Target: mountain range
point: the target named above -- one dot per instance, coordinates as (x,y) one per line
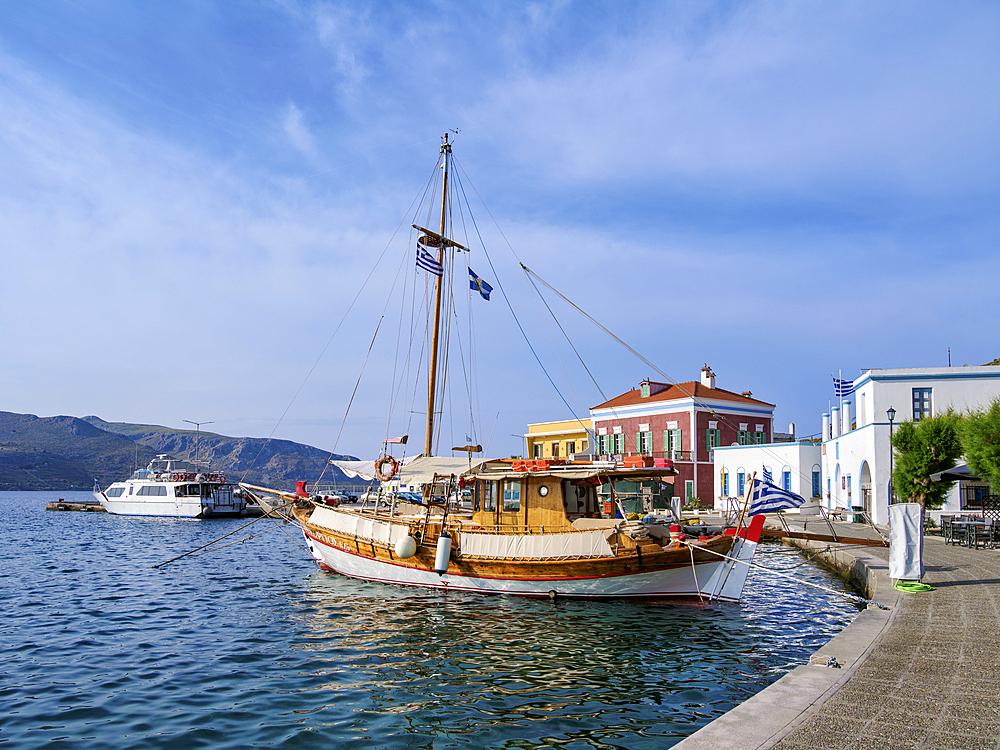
(71,453)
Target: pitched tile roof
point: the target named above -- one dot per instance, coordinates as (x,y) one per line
(677,392)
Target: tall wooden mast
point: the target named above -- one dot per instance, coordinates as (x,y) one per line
(435,332)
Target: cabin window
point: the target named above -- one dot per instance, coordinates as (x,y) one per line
(488,491)
(578,499)
(115,492)
(153,489)
(512,496)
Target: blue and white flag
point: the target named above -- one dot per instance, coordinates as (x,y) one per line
(767,498)
(767,474)
(843,387)
(427,259)
(478,285)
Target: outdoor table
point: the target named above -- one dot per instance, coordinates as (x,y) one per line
(965,526)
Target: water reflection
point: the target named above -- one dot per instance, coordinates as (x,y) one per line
(461,667)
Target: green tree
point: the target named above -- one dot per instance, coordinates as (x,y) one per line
(924,448)
(980,435)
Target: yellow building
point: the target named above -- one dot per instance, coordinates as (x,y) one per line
(558,439)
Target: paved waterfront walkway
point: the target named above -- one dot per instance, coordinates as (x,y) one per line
(925,674)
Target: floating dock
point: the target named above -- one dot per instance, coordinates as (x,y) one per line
(94,507)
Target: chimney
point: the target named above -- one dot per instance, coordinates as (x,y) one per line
(835,422)
(746,394)
(826,426)
(791,430)
(848,420)
(707,377)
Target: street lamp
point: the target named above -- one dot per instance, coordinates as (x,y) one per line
(891,413)
(197,440)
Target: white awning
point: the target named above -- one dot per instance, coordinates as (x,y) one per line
(415,470)
(423,468)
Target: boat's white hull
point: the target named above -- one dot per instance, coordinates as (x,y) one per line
(172,507)
(720,580)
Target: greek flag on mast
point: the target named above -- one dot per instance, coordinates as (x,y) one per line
(843,387)
(478,285)
(427,259)
(767,498)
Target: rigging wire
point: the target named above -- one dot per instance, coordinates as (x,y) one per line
(510,307)
(347,312)
(349,403)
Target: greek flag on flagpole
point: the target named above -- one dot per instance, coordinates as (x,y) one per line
(477,284)
(767,498)
(843,387)
(427,261)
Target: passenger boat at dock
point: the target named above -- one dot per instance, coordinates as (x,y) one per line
(170,487)
(532,528)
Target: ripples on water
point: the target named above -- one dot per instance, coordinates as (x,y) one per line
(252,646)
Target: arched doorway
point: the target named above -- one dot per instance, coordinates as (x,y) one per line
(866,488)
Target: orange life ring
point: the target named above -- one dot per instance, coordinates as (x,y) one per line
(386,474)
(175,477)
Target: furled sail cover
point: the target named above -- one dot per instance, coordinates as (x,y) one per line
(536,546)
(356,525)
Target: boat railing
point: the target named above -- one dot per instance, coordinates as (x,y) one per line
(521,530)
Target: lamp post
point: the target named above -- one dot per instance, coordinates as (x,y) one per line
(197,440)
(891,413)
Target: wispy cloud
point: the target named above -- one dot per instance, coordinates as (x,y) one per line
(297,131)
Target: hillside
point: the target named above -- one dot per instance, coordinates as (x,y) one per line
(63,453)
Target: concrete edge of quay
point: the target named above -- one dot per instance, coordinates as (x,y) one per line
(762,720)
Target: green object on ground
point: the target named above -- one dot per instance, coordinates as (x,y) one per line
(913,586)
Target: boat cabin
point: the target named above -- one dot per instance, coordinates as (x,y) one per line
(532,500)
(545,495)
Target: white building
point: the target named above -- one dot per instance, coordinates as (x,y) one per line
(796,467)
(856,455)
(852,464)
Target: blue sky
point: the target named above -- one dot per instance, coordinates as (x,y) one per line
(193,192)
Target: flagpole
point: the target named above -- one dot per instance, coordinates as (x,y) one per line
(746,502)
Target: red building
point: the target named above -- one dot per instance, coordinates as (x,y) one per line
(683,422)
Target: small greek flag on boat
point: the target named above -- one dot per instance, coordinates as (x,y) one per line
(767,498)
(427,259)
(843,387)
(477,284)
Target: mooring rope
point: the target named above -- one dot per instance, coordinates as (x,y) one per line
(751,563)
(209,544)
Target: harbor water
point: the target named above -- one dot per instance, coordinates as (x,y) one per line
(252,646)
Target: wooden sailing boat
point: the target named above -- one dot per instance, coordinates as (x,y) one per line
(535,528)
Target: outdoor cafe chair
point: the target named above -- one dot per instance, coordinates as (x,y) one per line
(981,534)
(947,529)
